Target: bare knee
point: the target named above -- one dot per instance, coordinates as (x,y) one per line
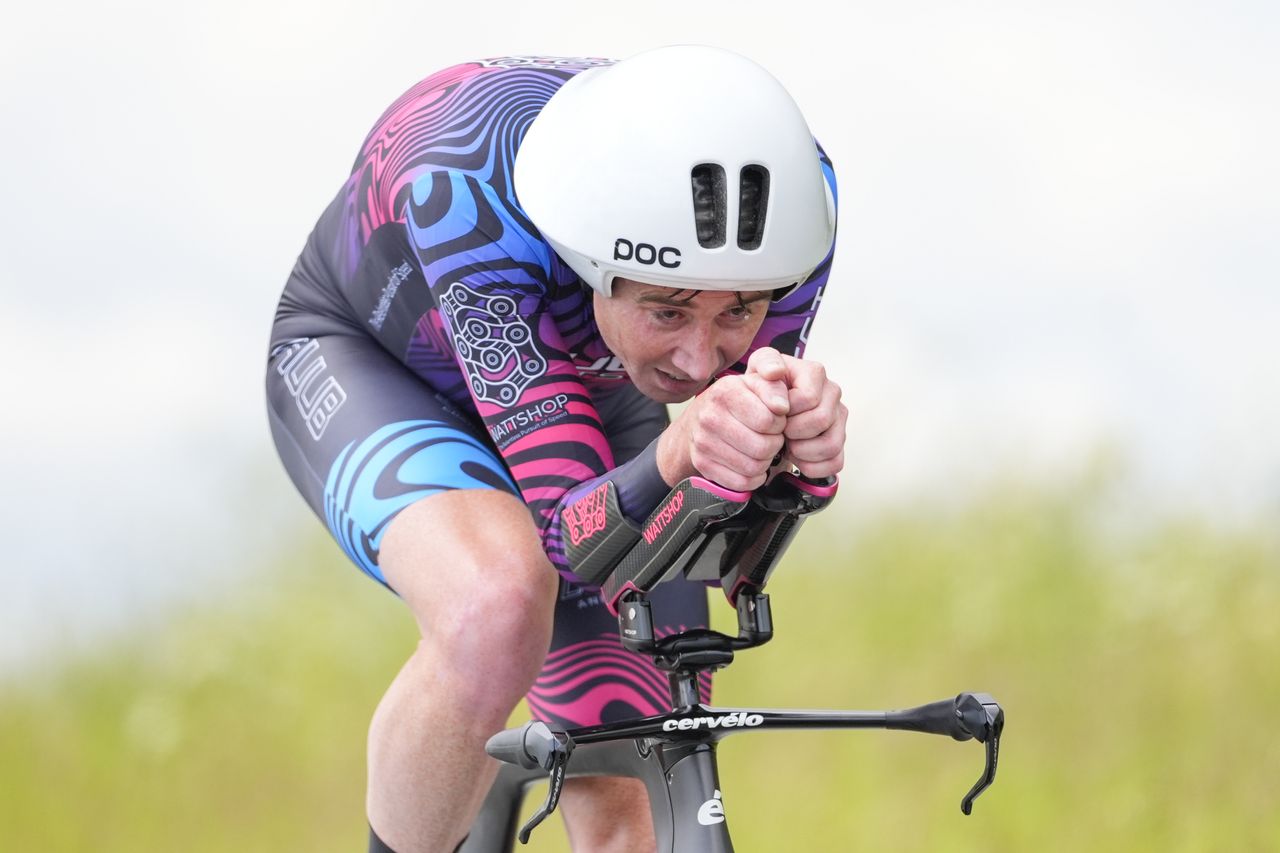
(470,566)
(500,627)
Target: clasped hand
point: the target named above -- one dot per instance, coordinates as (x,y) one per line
(733,431)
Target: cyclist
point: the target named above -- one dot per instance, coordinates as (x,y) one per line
(531,257)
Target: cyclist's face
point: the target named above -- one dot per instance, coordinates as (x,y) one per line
(674,342)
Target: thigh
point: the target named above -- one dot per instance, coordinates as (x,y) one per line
(363,438)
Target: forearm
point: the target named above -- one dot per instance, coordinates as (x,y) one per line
(614,504)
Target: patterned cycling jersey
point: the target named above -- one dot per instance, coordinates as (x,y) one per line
(426,249)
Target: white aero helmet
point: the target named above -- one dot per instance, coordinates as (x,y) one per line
(685,166)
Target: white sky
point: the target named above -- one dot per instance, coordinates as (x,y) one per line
(1058,229)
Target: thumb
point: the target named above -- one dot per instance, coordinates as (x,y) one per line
(773,392)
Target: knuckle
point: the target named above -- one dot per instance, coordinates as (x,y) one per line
(709,422)
(764,446)
(800,452)
(715,396)
(761,421)
(752,447)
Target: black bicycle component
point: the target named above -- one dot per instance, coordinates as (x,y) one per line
(969,715)
(983,717)
(532,745)
(755,619)
(556,784)
(712,535)
(757,537)
(596,534)
(635,623)
(671,538)
(535,745)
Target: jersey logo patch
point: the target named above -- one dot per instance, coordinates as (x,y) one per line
(494,343)
(586,516)
(316,393)
(605,367)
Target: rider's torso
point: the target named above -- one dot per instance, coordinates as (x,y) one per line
(426,249)
(444,152)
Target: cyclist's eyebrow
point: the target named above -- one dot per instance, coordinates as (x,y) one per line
(664,299)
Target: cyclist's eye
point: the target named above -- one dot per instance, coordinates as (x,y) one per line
(739,312)
(667,315)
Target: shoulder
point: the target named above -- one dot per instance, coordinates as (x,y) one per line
(469,118)
(451,206)
(466,98)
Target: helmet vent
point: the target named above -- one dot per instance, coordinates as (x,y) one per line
(753,202)
(709,204)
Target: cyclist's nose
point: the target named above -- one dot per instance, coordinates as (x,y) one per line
(698,355)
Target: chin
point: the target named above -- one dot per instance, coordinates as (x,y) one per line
(661,395)
(658,394)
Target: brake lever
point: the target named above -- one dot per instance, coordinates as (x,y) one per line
(533,745)
(982,718)
(559,761)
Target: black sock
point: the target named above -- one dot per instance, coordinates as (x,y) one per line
(376,844)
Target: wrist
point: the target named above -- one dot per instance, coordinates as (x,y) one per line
(674,464)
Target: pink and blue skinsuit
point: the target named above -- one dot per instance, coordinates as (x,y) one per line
(429,339)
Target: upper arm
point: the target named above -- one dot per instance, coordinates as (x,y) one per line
(490,275)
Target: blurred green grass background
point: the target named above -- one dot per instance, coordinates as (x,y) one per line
(1138,668)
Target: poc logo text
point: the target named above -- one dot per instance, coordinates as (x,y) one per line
(645,253)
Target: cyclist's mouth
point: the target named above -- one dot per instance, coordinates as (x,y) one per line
(673,383)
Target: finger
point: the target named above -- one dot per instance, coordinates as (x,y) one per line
(806,382)
(822,455)
(730,467)
(814,450)
(737,397)
(811,424)
(767,362)
(731,479)
(773,393)
(817,470)
(815,421)
(733,443)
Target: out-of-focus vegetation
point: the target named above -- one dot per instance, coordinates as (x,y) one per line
(1140,673)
